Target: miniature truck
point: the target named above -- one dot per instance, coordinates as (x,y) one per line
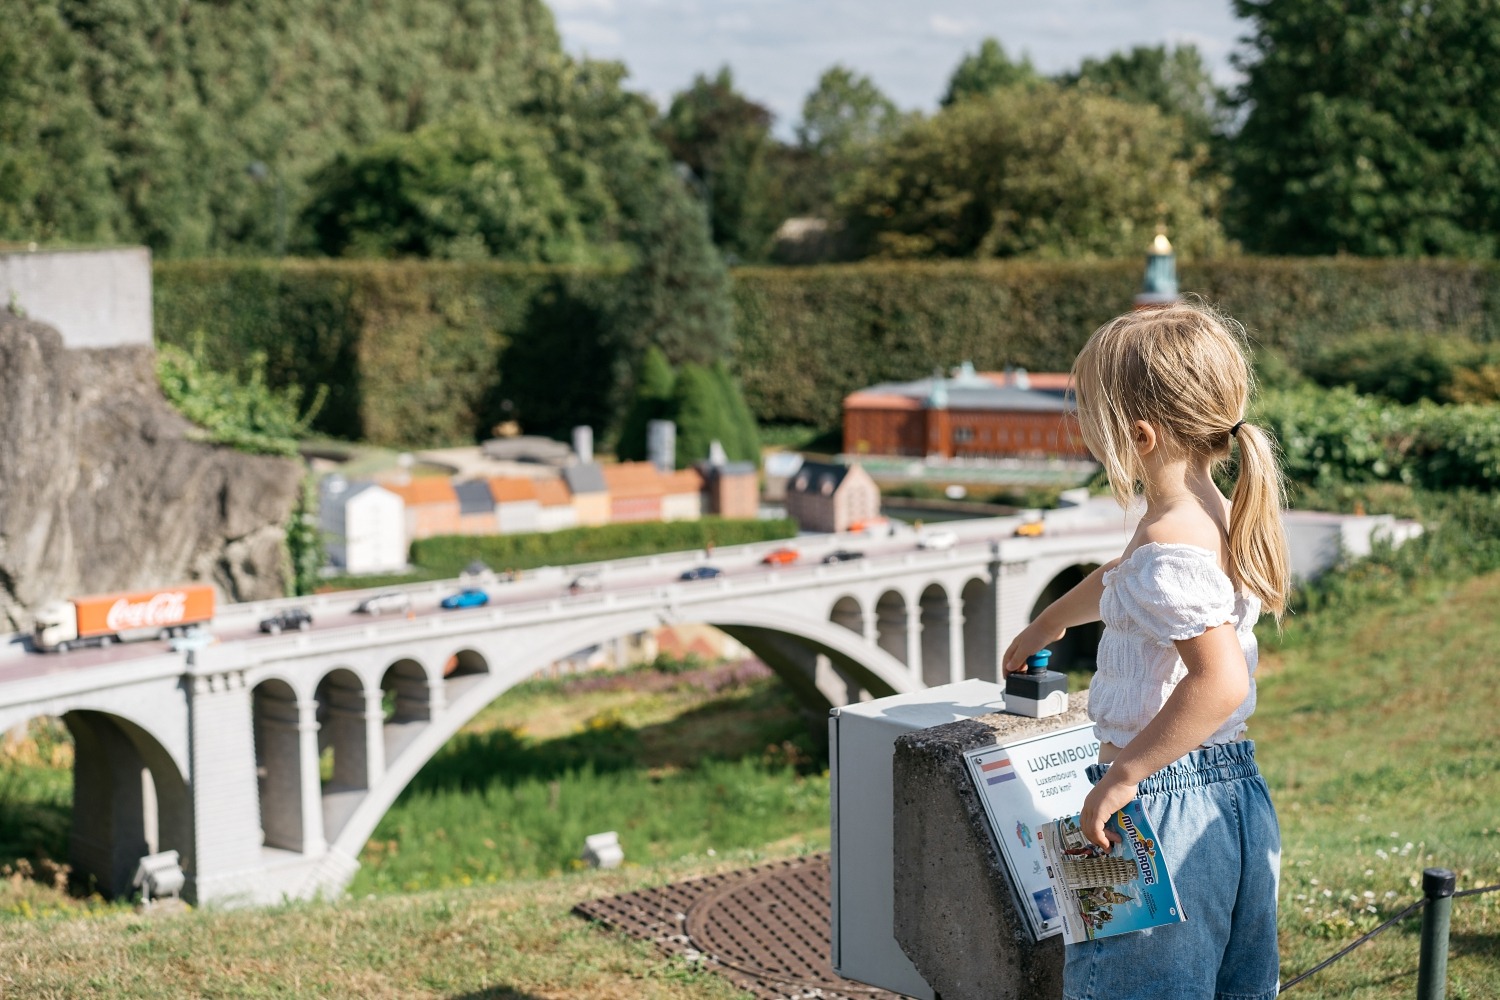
(101,619)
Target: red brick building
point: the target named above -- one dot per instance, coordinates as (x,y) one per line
(970,415)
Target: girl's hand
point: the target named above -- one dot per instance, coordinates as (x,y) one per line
(1103,801)
(1032,638)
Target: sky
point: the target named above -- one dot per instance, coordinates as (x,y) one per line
(778,48)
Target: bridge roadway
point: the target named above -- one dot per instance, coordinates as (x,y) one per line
(219,753)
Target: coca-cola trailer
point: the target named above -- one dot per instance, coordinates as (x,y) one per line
(100,619)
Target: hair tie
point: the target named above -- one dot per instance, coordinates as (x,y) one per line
(1235,430)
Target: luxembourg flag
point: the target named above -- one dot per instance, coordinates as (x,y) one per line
(997,771)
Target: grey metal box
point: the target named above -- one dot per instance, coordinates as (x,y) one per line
(861,742)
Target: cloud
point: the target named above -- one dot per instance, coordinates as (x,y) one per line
(950,27)
(589,34)
(565,7)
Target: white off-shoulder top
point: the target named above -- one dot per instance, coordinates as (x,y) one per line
(1160,593)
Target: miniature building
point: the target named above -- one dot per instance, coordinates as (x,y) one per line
(732,489)
(969,415)
(589,491)
(364,525)
(555,509)
(682,495)
(1160,285)
(635,491)
(476,508)
(779,466)
(431,506)
(1087,873)
(826,497)
(517,508)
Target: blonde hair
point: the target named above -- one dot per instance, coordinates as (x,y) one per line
(1183,370)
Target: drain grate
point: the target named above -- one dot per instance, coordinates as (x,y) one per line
(765,928)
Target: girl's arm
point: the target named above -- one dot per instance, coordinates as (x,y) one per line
(1077,607)
(1217,683)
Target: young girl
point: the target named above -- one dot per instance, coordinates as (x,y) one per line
(1161,399)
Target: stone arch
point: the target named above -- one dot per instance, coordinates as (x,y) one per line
(462,671)
(981,658)
(803,641)
(129,799)
(938,647)
(848,613)
(1079,648)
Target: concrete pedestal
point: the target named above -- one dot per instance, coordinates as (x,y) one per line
(957,915)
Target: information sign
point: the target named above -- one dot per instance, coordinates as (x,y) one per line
(1023,785)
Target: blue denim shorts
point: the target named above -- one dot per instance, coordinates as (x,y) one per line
(1219,837)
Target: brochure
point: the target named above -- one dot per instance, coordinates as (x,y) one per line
(1101,893)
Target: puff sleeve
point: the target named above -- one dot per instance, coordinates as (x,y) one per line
(1176,593)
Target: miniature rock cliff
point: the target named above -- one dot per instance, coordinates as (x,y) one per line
(101,487)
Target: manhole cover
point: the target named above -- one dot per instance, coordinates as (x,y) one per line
(766,928)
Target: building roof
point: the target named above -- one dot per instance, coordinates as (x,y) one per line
(424,490)
(632,480)
(553,493)
(1017,391)
(585,477)
(512,489)
(818,478)
(682,481)
(474,497)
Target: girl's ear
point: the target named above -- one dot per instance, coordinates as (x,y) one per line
(1143,436)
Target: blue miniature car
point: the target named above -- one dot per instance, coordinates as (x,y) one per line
(466,599)
(700,573)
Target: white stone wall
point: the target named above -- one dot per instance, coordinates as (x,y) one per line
(95,298)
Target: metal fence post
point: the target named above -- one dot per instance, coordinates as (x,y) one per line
(1432,970)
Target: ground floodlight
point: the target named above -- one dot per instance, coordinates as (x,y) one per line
(159,875)
(602,850)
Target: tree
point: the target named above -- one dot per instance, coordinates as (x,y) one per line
(705,406)
(1035,170)
(724,137)
(654,386)
(1175,80)
(1372,132)
(986,70)
(464,186)
(845,114)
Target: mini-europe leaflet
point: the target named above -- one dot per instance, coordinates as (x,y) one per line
(1101,893)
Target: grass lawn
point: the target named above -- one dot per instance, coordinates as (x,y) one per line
(1376,730)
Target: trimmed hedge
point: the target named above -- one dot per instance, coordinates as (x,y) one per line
(427,352)
(448,555)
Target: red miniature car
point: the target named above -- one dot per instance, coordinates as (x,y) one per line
(781,557)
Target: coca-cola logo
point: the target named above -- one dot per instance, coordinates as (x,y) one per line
(166,608)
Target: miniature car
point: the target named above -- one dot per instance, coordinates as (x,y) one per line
(781,557)
(287,618)
(394,602)
(937,540)
(701,573)
(869,526)
(1031,529)
(842,555)
(466,599)
(585,583)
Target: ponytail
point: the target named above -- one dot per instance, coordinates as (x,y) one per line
(1257,539)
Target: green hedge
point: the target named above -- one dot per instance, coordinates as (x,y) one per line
(448,555)
(1330,437)
(419,353)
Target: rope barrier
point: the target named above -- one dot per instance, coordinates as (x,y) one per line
(1363,938)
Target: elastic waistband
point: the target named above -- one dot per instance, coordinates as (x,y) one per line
(1223,762)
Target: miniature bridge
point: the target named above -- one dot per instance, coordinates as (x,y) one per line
(216,753)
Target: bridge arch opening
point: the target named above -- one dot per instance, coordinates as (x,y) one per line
(847,612)
(281,722)
(462,671)
(981,659)
(1079,648)
(894,626)
(939,615)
